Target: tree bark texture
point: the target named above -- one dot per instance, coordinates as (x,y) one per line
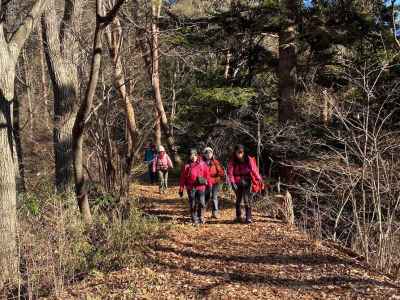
(9,52)
(150,54)
(86,105)
(114,39)
(155,81)
(20,167)
(62,49)
(8,218)
(43,73)
(287,62)
(28,89)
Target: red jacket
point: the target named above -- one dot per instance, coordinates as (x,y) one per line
(237,170)
(216,171)
(189,175)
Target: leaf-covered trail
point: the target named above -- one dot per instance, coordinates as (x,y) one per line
(222,260)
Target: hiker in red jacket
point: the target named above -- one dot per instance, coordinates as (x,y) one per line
(195,178)
(244,178)
(217,174)
(161,164)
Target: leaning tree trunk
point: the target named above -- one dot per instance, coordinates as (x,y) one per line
(86,106)
(155,81)
(151,58)
(114,38)
(157,129)
(61,49)
(287,62)
(9,53)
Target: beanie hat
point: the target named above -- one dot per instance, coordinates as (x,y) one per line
(161,149)
(208,149)
(193,151)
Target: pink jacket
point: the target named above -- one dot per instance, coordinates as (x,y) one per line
(162,163)
(238,170)
(189,175)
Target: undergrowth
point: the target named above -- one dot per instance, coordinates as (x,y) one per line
(57,248)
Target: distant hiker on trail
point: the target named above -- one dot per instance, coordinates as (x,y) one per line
(216,178)
(244,178)
(161,164)
(149,154)
(195,178)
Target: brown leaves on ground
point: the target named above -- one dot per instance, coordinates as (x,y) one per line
(222,260)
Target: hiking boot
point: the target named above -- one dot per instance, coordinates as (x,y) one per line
(196,221)
(215,215)
(193,218)
(238,215)
(238,220)
(202,212)
(249,218)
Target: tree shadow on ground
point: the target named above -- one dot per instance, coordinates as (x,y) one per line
(268,259)
(227,277)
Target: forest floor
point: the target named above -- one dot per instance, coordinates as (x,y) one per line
(221,260)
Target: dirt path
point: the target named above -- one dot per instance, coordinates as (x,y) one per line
(221,260)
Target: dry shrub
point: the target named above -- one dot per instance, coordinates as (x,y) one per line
(56,248)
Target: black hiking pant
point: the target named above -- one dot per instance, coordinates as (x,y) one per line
(243,194)
(197,205)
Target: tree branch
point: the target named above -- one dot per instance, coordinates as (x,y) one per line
(394,23)
(109,17)
(70,21)
(19,37)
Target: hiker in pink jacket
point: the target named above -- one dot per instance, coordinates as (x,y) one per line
(195,178)
(161,164)
(243,174)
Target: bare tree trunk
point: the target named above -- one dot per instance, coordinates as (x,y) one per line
(287,62)
(9,53)
(45,92)
(114,38)
(157,129)
(86,106)
(173,97)
(28,88)
(327,108)
(8,218)
(155,81)
(61,49)
(150,55)
(227,64)
(80,122)
(20,167)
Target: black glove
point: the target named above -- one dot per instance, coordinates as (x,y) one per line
(234,186)
(181,194)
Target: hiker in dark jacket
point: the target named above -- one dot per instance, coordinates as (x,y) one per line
(149,154)
(195,178)
(217,174)
(243,174)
